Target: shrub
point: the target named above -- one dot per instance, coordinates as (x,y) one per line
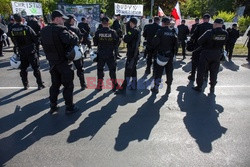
(226,16)
(243,23)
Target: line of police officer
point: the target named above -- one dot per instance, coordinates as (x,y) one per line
(58,40)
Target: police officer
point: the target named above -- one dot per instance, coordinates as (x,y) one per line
(33,23)
(132,38)
(183,32)
(165,41)
(1,42)
(199,30)
(85,30)
(57,41)
(212,42)
(78,63)
(117,27)
(233,35)
(149,34)
(106,39)
(197,20)
(248,45)
(26,39)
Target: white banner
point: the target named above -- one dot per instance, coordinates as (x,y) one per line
(27,8)
(128,9)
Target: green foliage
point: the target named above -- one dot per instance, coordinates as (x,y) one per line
(226,16)
(243,23)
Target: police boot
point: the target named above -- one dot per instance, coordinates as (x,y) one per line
(83,84)
(99,85)
(53,108)
(122,89)
(71,109)
(155,89)
(191,77)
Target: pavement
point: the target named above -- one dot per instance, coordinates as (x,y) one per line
(184,128)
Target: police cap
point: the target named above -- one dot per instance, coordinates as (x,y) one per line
(71,16)
(17,17)
(58,13)
(219,21)
(165,20)
(117,15)
(206,16)
(133,20)
(105,20)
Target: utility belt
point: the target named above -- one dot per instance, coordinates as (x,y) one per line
(27,49)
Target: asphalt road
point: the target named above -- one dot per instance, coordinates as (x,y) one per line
(184,128)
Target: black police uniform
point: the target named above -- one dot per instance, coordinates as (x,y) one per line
(193,28)
(106,39)
(131,38)
(212,43)
(85,30)
(1,42)
(233,35)
(37,28)
(200,29)
(183,32)
(149,34)
(166,44)
(248,45)
(78,63)
(26,39)
(57,41)
(117,27)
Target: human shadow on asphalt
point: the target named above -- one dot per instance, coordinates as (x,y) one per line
(178,64)
(46,125)
(8,98)
(90,126)
(187,68)
(231,66)
(141,124)
(246,65)
(201,118)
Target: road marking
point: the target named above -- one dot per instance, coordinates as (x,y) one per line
(5,88)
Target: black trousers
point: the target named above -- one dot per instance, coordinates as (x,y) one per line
(87,42)
(32,60)
(209,59)
(62,74)
(1,48)
(183,46)
(229,49)
(150,57)
(130,73)
(248,46)
(111,62)
(159,71)
(195,60)
(80,70)
(117,47)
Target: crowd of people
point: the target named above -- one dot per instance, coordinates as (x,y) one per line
(161,39)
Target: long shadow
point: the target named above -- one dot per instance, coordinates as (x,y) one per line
(46,125)
(141,124)
(21,114)
(178,64)
(7,99)
(201,118)
(187,67)
(96,120)
(246,65)
(231,66)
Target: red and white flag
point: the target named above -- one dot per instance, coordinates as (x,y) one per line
(160,12)
(176,12)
